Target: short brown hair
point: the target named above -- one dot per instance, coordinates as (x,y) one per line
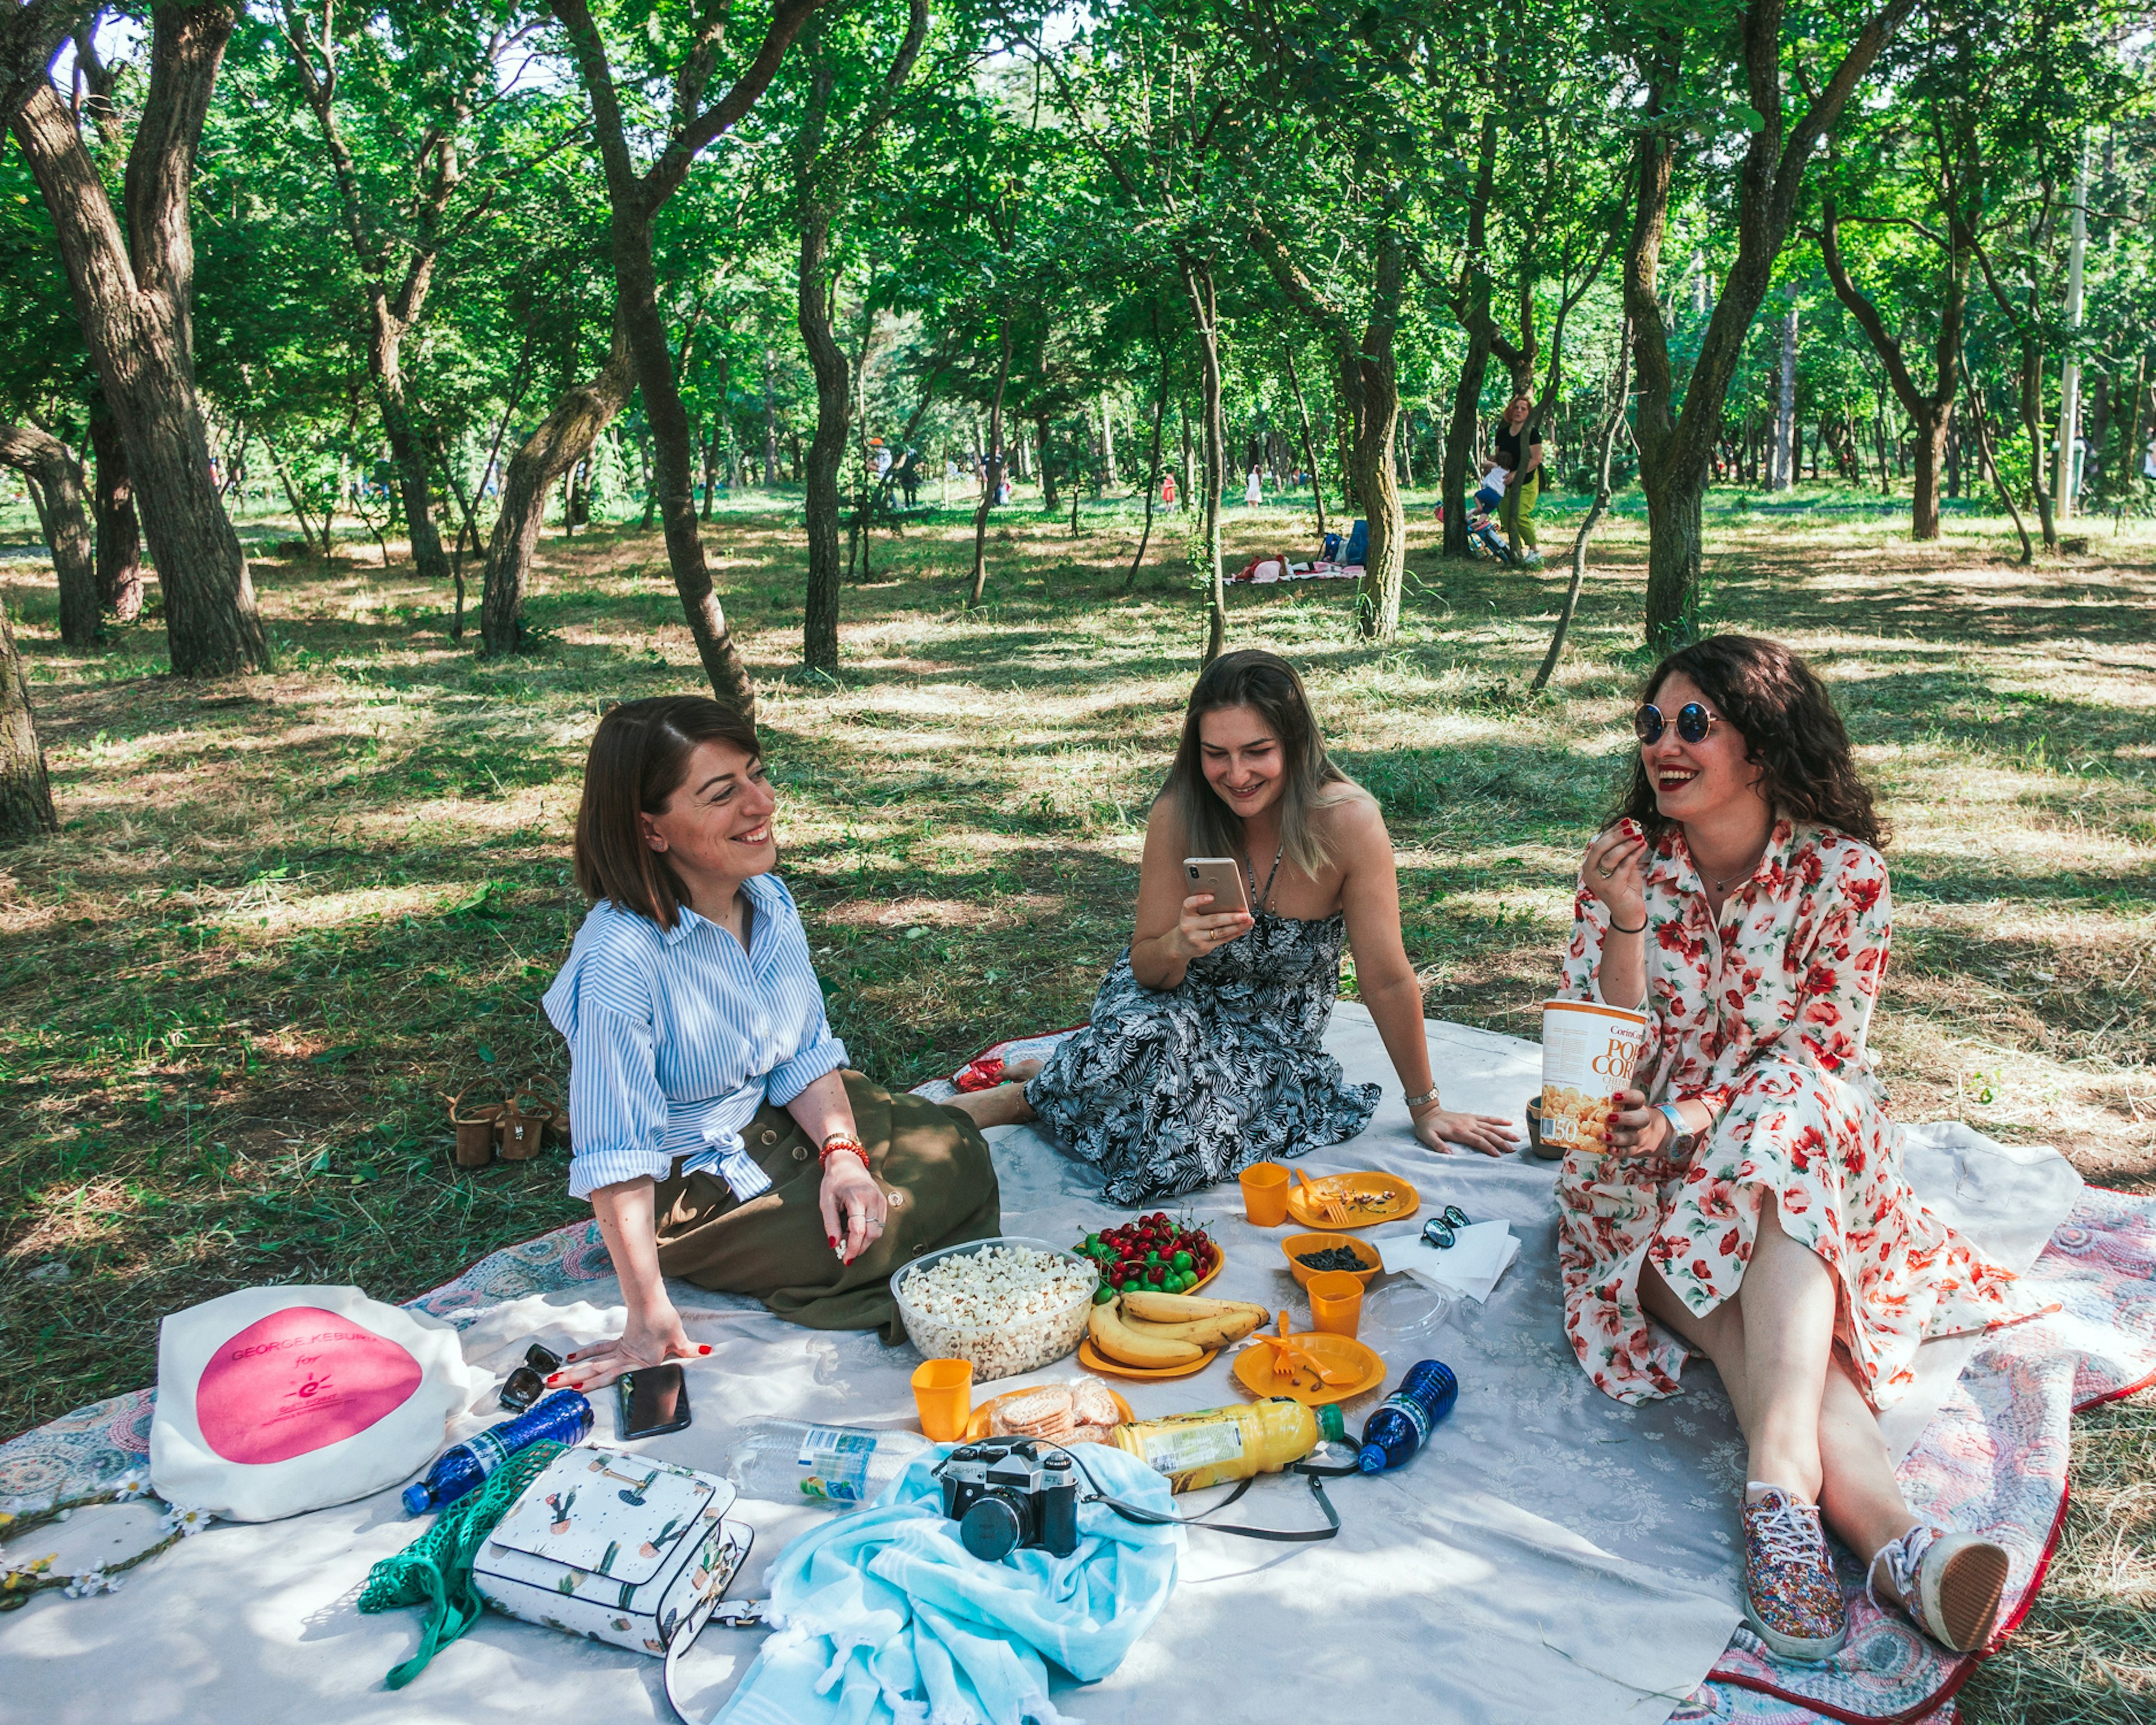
(640,757)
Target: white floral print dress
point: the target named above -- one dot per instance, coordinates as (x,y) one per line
(1764,1017)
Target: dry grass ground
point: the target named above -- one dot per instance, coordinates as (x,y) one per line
(288,912)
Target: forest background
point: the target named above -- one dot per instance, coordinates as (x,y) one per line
(384,388)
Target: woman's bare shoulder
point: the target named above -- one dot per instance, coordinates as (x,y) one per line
(1350,818)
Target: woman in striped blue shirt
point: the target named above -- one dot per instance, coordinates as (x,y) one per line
(717,1132)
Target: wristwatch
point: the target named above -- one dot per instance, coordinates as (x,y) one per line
(1681,1142)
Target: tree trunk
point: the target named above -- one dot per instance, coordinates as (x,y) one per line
(632,211)
(1309,449)
(1198,287)
(1932,424)
(1676,442)
(119,534)
(770,422)
(1108,445)
(564,438)
(992,463)
(408,449)
(1152,473)
(134,298)
(1471,306)
(26,792)
(2032,421)
(1613,421)
(1049,496)
(826,449)
(1785,406)
(65,520)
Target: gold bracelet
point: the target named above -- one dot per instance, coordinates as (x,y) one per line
(1415,1102)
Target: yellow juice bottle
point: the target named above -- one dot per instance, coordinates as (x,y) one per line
(1215,1445)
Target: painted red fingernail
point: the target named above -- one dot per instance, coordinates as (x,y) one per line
(556,1378)
(704,1348)
(833,1239)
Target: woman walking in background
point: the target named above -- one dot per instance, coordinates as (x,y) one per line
(1523,462)
(1752,1205)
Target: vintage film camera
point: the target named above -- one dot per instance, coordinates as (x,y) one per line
(1005,1496)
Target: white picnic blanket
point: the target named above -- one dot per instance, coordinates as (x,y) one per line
(1553,1555)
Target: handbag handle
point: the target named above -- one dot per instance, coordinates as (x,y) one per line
(687,1629)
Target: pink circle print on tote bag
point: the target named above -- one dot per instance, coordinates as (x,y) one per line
(297,1381)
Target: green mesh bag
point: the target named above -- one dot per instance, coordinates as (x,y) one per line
(435,1570)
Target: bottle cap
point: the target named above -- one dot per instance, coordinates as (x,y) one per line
(1330,1426)
(1371,1459)
(417,1499)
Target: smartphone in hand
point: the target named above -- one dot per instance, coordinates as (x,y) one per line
(1220,875)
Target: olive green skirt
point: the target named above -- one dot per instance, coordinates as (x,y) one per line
(931,1161)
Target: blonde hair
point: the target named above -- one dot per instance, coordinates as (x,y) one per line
(1267,684)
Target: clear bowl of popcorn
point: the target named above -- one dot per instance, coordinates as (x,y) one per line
(1008,1305)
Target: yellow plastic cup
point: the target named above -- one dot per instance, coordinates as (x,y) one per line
(1336,1301)
(943,1396)
(1265,1194)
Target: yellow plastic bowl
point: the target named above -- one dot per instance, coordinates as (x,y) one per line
(1297,1244)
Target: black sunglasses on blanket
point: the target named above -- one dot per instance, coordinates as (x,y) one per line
(1693,722)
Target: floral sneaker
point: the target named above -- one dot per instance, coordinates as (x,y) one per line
(1790,1595)
(1948,1583)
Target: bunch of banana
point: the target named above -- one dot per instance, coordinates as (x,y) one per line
(1157,1331)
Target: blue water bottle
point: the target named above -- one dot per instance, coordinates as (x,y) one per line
(564,1417)
(1403,1424)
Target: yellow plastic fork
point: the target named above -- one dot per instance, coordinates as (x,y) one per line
(1324,1204)
(1289,1355)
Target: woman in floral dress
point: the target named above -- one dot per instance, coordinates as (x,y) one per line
(1753,1203)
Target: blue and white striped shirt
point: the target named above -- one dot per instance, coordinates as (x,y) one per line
(677,1037)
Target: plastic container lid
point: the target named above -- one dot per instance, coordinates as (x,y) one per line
(1331,1427)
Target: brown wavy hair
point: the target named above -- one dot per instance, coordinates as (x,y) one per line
(1267,684)
(1790,729)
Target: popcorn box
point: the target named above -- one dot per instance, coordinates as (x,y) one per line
(1588,1052)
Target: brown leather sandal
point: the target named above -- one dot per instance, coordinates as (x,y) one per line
(524,1130)
(476,1128)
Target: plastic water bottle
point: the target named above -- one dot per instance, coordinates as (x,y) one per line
(564,1417)
(1403,1424)
(830,1466)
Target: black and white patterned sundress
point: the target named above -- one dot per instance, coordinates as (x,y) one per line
(1169,1090)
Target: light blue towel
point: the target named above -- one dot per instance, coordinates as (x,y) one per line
(887,1617)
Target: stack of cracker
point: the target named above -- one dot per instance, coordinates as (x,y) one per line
(1079,1412)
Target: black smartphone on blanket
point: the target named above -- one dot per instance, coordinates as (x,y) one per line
(650,1400)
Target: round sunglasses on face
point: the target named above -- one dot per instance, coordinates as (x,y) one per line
(1693,722)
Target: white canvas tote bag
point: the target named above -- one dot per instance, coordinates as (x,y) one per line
(274,1401)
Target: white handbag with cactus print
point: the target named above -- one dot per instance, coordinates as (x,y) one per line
(619,1547)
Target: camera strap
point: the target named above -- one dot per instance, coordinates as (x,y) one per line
(1316,1472)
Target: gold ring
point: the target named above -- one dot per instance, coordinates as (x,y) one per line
(1604,870)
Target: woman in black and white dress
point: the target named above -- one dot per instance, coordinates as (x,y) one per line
(1206,1049)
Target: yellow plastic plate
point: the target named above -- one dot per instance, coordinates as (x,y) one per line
(1364,1195)
(1094,1360)
(1254,1369)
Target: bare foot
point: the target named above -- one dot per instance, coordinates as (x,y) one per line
(1006,1104)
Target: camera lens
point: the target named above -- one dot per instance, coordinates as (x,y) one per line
(992,1528)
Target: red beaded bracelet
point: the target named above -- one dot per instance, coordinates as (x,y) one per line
(839,1144)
